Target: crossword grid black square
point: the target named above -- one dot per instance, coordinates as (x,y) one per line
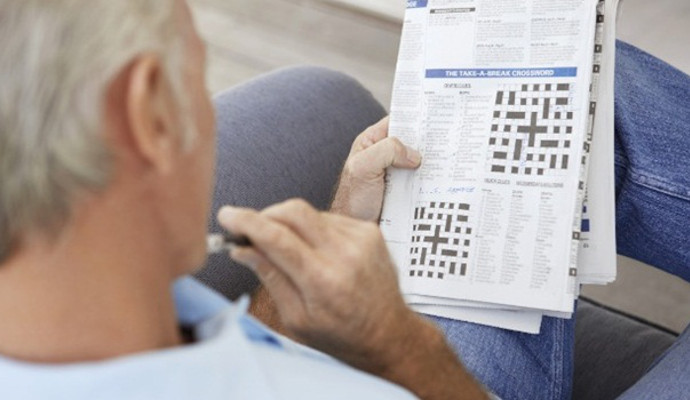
(441,238)
(532,129)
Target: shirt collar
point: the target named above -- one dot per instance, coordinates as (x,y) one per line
(196,302)
(208,311)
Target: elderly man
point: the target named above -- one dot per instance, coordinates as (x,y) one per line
(106,168)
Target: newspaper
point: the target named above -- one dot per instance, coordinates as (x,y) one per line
(597,256)
(501,99)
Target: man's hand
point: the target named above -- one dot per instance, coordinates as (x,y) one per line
(336,290)
(360,190)
(330,277)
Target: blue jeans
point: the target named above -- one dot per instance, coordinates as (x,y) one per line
(652,162)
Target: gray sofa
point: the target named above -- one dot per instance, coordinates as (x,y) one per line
(287,134)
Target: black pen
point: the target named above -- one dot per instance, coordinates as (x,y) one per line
(220,242)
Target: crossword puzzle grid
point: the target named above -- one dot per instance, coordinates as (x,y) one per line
(531,132)
(441,238)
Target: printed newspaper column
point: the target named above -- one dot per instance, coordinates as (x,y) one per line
(406,117)
(500,115)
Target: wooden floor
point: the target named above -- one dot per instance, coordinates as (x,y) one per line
(246,38)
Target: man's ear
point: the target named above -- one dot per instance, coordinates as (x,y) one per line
(151,114)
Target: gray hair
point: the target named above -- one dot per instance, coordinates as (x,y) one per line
(57,58)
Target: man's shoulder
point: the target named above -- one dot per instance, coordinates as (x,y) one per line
(278,367)
(236,362)
(298,372)
(235,357)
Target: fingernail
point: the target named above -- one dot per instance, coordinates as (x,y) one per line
(235,253)
(250,266)
(224,215)
(413,156)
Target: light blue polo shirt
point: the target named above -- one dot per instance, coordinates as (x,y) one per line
(235,358)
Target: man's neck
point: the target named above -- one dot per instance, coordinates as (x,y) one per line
(93,295)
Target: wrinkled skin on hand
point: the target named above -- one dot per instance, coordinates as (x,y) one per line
(361,187)
(331,278)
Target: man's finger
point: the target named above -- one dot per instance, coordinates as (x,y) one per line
(301,217)
(279,285)
(379,130)
(371,135)
(277,242)
(372,162)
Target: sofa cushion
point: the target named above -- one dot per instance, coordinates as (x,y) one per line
(613,350)
(282,135)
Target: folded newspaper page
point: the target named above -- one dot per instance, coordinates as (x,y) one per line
(597,256)
(501,99)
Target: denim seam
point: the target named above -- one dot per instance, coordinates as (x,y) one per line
(555,373)
(558,382)
(661,187)
(620,161)
(554,369)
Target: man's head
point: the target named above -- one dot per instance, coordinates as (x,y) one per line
(102,99)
